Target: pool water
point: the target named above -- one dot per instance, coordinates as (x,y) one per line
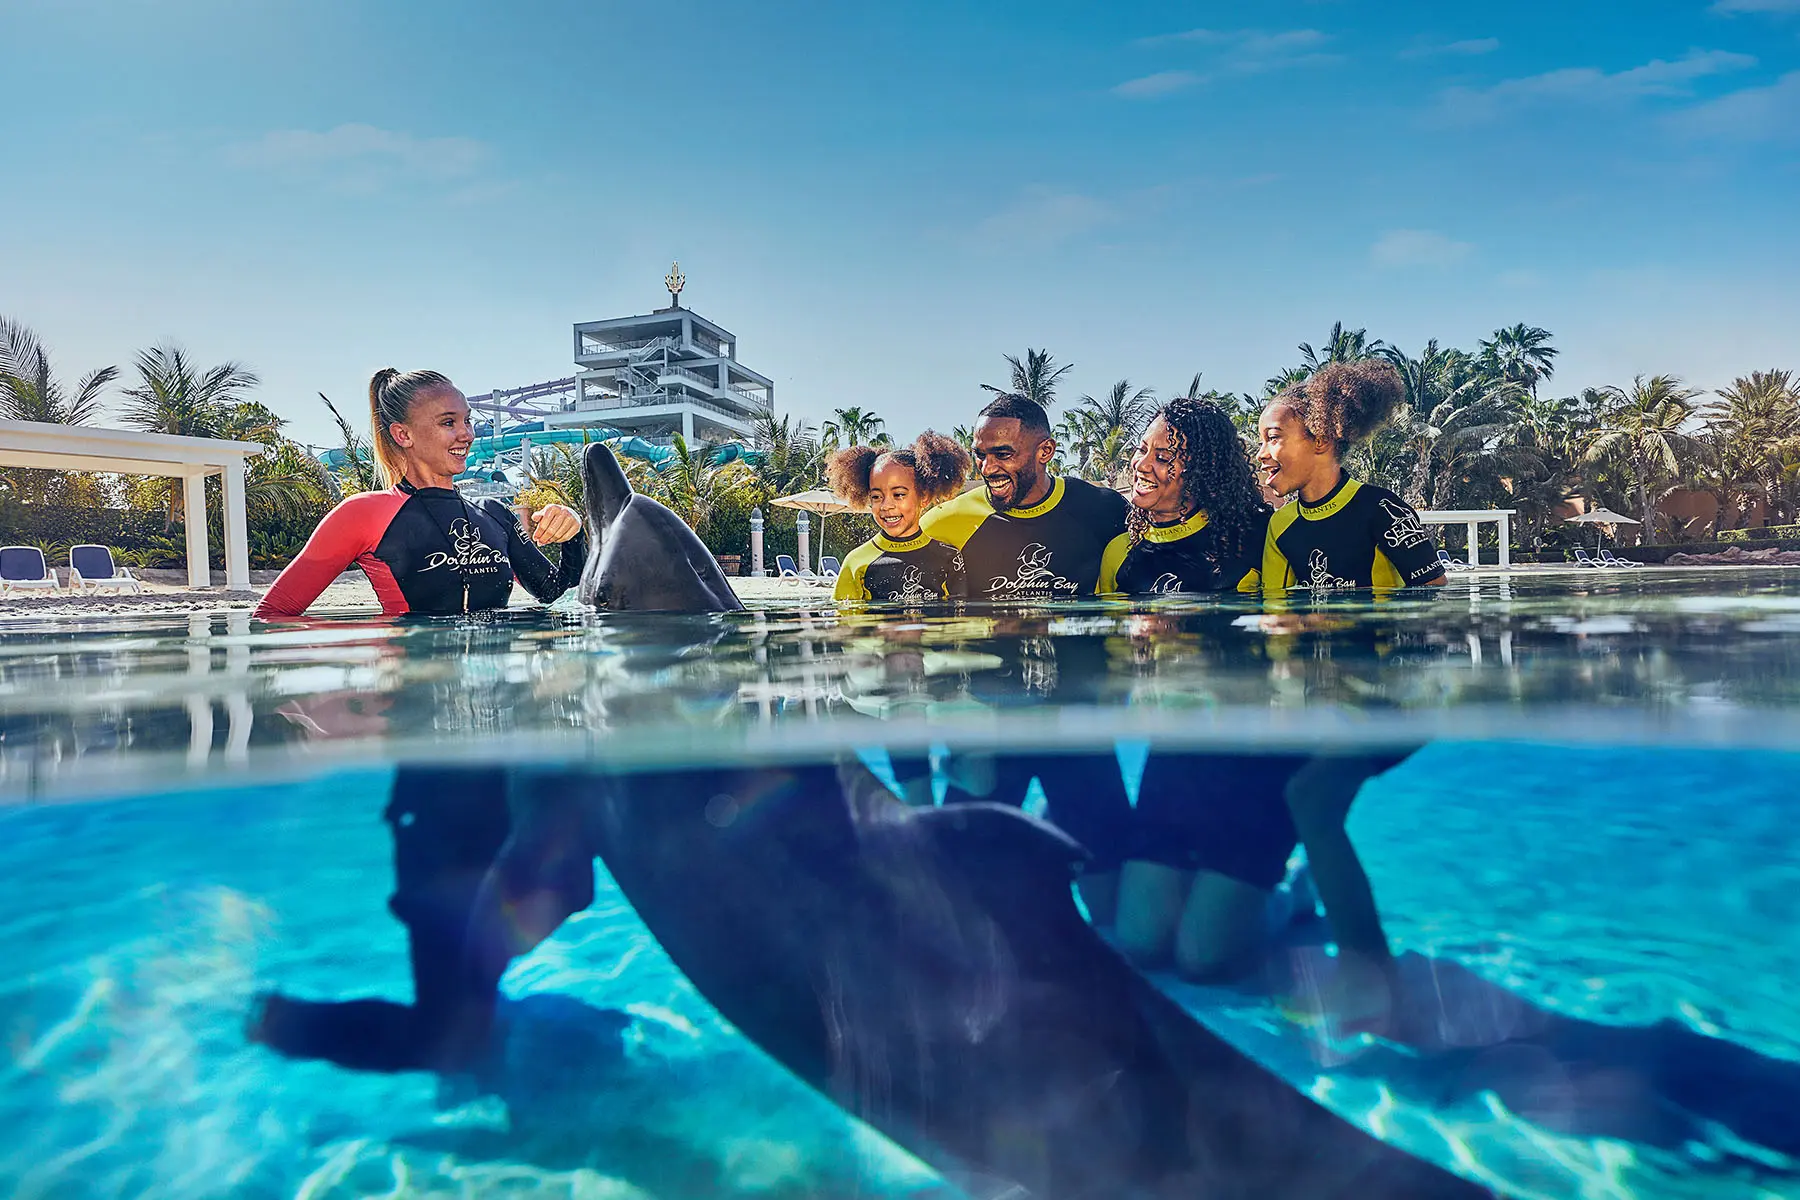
(1589,871)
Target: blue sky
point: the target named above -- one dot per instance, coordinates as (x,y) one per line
(881,200)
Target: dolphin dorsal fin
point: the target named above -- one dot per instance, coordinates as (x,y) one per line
(605,487)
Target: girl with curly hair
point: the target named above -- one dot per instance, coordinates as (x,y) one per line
(1341,533)
(1197,521)
(896,486)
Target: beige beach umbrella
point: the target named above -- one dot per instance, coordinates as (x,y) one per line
(1601,516)
(814,500)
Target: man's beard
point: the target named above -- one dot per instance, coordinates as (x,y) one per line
(1023,484)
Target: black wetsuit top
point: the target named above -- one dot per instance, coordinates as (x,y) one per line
(427,551)
(1060,547)
(1185,557)
(1357,536)
(915,570)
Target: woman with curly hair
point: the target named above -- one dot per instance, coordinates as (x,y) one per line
(1340,533)
(1215,831)
(1197,521)
(896,486)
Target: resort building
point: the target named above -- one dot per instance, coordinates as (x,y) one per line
(667,372)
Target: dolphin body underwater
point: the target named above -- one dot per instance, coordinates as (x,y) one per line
(643,557)
(929,971)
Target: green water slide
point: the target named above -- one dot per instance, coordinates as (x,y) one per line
(486,449)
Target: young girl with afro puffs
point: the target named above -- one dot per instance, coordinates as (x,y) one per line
(896,485)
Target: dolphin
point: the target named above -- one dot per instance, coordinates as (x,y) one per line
(927,969)
(644,558)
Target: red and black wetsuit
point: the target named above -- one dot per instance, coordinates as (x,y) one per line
(426,551)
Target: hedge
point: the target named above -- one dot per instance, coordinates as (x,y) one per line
(1766,533)
(118,528)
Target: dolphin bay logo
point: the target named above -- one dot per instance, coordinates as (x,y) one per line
(1034,580)
(1404,530)
(468,554)
(912,587)
(1319,577)
(1167,584)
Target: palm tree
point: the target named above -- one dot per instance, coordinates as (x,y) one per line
(359,468)
(695,484)
(1112,423)
(175,397)
(1757,423)
(1076,436)
(1343,346)
(1277,384)
(1645,430)
(964,436)
(792,457)
(854,427)
(30,391)
(1035,377)
(1520,354)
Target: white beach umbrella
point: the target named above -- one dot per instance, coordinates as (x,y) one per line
(1601,516)
(814,500)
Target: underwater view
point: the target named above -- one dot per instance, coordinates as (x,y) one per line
(799,902)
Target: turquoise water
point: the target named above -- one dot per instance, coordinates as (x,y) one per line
(1592,866)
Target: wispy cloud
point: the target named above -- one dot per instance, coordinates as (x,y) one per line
(1467,48)
(1229,52)
(1735,7)
(1162,83)
(1751,115)
(1044,216)
(1417,248)
(362,158)
(1589,85)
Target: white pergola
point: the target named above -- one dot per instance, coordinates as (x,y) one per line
(124,452)
(1473,518)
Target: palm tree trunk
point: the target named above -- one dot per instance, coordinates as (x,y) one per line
(1421,476)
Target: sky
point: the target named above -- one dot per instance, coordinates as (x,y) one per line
(881,200)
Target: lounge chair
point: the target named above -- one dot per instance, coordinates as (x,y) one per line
(1452,564)
(1609,559)
(93,567)
(828,566)
(784,564)
(22,568)
(1582,559)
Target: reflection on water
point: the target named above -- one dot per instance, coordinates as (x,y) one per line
(1624,658)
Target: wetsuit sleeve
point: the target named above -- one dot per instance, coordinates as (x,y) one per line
(531,566)
(1401,539)
(955,521)
(1249,568)
(1276,575)
(850,586)
(1110,561)
(349,531)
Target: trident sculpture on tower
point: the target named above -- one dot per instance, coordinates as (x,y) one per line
(675,281)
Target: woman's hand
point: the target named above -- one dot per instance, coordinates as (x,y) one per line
(554,523)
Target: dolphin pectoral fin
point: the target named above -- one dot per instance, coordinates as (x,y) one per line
(993,834)
(605,489)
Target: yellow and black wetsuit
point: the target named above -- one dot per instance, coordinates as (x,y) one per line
(912,571)
(1185,557)
(1357,536)
(1063,546)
